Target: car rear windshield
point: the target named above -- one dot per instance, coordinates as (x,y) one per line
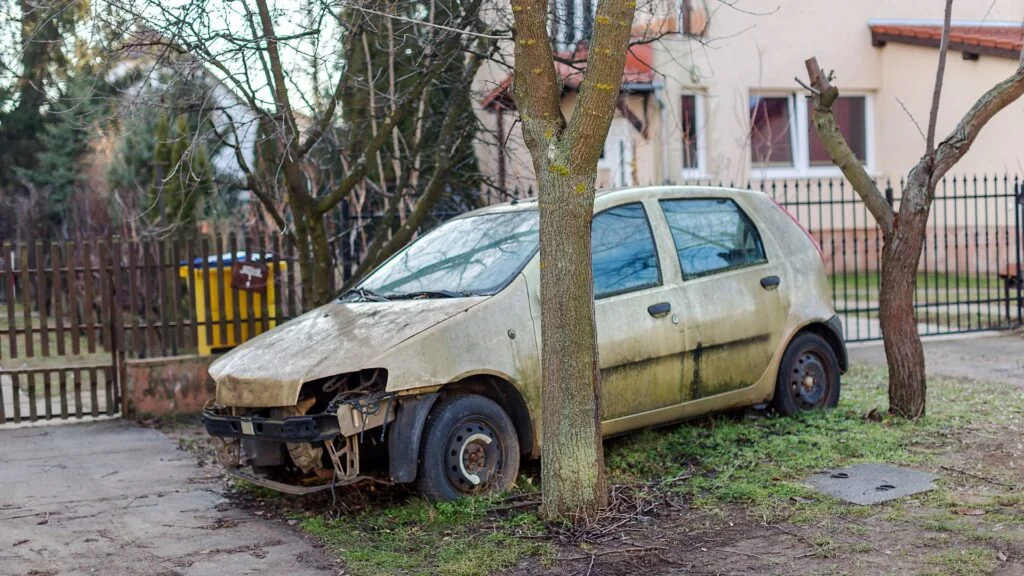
(475,255)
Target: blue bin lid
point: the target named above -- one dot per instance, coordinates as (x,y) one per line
(228,258)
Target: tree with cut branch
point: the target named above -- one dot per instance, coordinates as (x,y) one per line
(903,230)
(565,153)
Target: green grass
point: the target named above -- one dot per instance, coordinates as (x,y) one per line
(865,286)
(760,462)
(446,538)
(969,562)
(756,463)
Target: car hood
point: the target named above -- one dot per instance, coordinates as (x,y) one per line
(336,338)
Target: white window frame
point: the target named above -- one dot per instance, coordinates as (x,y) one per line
(799,123)
(700,121)
(619,162)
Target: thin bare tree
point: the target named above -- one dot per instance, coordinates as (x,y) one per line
(903,230)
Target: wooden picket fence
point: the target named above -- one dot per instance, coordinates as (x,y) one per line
(71,313)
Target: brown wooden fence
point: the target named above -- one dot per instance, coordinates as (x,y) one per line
(70,313)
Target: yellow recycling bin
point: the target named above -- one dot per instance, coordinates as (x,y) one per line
(218,284)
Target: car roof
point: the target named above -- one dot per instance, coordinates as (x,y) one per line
(619,195)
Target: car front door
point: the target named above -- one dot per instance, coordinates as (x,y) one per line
(733,307)
(640,340)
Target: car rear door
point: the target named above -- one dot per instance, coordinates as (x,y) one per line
(734,307)
(641,342)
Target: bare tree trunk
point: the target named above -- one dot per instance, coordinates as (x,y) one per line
(901,255)
(322,289)
(573,471)
(565,155)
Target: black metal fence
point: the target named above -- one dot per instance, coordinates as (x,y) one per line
(970,275)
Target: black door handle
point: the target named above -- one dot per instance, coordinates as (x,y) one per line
(770,282)
(659,309)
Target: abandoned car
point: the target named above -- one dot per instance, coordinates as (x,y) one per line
(428,371)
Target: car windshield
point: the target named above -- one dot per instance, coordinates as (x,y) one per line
(467,256)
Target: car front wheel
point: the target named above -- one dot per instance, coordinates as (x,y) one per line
(808,376)
(469,447)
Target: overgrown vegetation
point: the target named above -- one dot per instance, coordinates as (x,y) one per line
(724,464)
(448,538)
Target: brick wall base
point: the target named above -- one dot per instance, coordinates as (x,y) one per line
(172,385)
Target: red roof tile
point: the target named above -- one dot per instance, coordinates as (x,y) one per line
(638,70)
(1003,41)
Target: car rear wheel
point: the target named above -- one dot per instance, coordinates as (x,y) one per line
(469,447)
(808,376)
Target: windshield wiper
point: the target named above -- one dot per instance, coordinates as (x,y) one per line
(429,294)
(365,294)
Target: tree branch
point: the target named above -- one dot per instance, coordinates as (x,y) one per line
(933,116)
(828,131)
(960,139)
(318,130)
(599,91)
(536,87)
(281,102)
(360,166)
(382,247)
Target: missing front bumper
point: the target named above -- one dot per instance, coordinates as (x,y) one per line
(306,428)
(293,489)
(299,453)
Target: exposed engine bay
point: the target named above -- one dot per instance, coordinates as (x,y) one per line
(334,435)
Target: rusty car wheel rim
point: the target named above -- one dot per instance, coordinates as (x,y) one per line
(809,381)
(473,455)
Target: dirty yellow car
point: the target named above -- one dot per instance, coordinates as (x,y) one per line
(428,371)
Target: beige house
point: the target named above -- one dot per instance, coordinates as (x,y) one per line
(715,98)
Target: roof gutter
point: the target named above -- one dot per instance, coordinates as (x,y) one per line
(659,96)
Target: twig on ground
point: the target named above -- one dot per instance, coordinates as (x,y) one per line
(615,551)
(980,477)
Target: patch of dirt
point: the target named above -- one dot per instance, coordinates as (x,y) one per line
(973,525)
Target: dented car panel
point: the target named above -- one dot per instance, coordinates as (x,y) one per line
(336,338)
(683,346)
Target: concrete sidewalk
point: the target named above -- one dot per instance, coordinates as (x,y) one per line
(987,357)
(114,498)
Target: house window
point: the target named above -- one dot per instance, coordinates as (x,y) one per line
(784,143)
(849,114)
(689,115)
(771,130)
(616,159)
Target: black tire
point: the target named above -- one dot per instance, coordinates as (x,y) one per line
(808,376)
(469,447)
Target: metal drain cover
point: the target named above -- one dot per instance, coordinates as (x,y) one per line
(872,483)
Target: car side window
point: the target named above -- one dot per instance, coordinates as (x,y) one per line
(624,256)
(712,235)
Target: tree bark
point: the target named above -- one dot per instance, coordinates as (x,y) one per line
(573,466)
(323,261)
(901,255)
(565,156)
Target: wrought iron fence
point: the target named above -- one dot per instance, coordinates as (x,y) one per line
(969,278)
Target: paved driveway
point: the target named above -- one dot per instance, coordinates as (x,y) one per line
(114,498)
(995,357)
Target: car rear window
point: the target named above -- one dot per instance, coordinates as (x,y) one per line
(712,235)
